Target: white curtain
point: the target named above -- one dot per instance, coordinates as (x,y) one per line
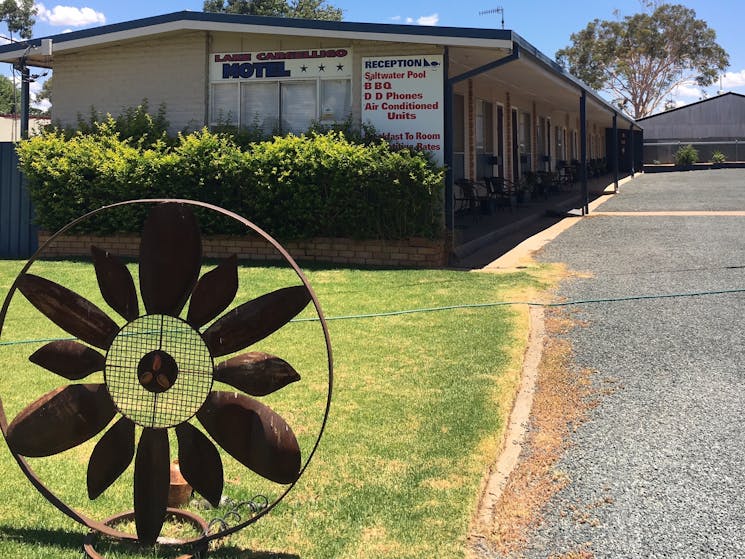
(260,105)
(298,106)
(336,100)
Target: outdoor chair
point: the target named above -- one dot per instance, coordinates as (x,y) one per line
(470,197)
(504,191)
(497,192)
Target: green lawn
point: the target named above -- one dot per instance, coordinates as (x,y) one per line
(419,404)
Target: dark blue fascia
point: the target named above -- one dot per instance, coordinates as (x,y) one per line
(289,23)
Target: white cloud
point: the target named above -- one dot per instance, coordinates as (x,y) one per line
(395,18)
(429,20)
(69,16)
(687,91)
(424,20)
(733,79)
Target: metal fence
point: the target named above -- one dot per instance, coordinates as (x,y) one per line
(664,152)
(17,231)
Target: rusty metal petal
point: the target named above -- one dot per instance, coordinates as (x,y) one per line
(253,434)
(256,373)
(213,293)
(68,359)
(116,283)
(60,420)
(152,477)
(170,258)
(200,463)
(69,311)
(111,456)
(255,320)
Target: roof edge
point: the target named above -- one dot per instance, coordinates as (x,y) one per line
(265,21)
(694,103)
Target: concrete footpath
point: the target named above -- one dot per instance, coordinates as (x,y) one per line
(657,470)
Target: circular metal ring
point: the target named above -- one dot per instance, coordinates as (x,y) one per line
(102,527)
(193,519)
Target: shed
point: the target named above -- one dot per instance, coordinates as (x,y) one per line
(717,123)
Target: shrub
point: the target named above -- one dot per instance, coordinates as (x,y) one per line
(292,186)
(133,123)
(686,155)
(718,157)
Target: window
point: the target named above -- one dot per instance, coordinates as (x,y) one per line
(289,106)
(225,109)
(484,121)
(560,151)
(336,100)
(484,127)
(298,106)
(526,140)
(541,136)
(260,106)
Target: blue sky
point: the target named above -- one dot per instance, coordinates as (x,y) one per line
(546,24)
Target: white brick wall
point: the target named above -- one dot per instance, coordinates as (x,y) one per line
(170,70)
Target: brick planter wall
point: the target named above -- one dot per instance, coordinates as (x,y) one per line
(409,253)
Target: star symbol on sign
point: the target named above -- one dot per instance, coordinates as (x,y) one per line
(322,68)
(303,68)
(340,67)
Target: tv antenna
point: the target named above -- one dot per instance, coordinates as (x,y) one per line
(498,10)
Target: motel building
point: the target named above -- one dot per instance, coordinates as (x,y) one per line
(484,102)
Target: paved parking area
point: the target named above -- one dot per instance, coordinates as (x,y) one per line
(658,470)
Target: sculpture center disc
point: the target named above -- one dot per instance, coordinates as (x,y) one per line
(158,371)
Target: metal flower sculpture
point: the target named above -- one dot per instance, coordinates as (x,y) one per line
(159,370)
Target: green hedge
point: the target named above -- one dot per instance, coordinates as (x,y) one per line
(294,187)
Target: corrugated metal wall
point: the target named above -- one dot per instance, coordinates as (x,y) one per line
(17,232)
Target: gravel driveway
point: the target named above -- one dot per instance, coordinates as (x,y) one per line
(658,470)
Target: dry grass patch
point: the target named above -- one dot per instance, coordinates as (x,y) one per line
(562,399)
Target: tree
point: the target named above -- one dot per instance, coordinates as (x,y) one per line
(18,15)
(305,9)
(10,96)
(45,93)
(641,59)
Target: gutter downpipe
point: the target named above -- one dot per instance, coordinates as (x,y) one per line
(583,152)
(615,152)
(448,115)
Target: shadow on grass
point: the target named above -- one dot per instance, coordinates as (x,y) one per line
(226,552)
(56,538)
(63,540)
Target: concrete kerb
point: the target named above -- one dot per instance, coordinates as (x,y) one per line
(516,432)
(517,426)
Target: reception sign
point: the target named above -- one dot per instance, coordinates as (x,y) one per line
(402,97)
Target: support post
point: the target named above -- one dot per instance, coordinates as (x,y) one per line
(25,99)
(615,152)
(583,152)
(448,146)
(21,67)
(631,148)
